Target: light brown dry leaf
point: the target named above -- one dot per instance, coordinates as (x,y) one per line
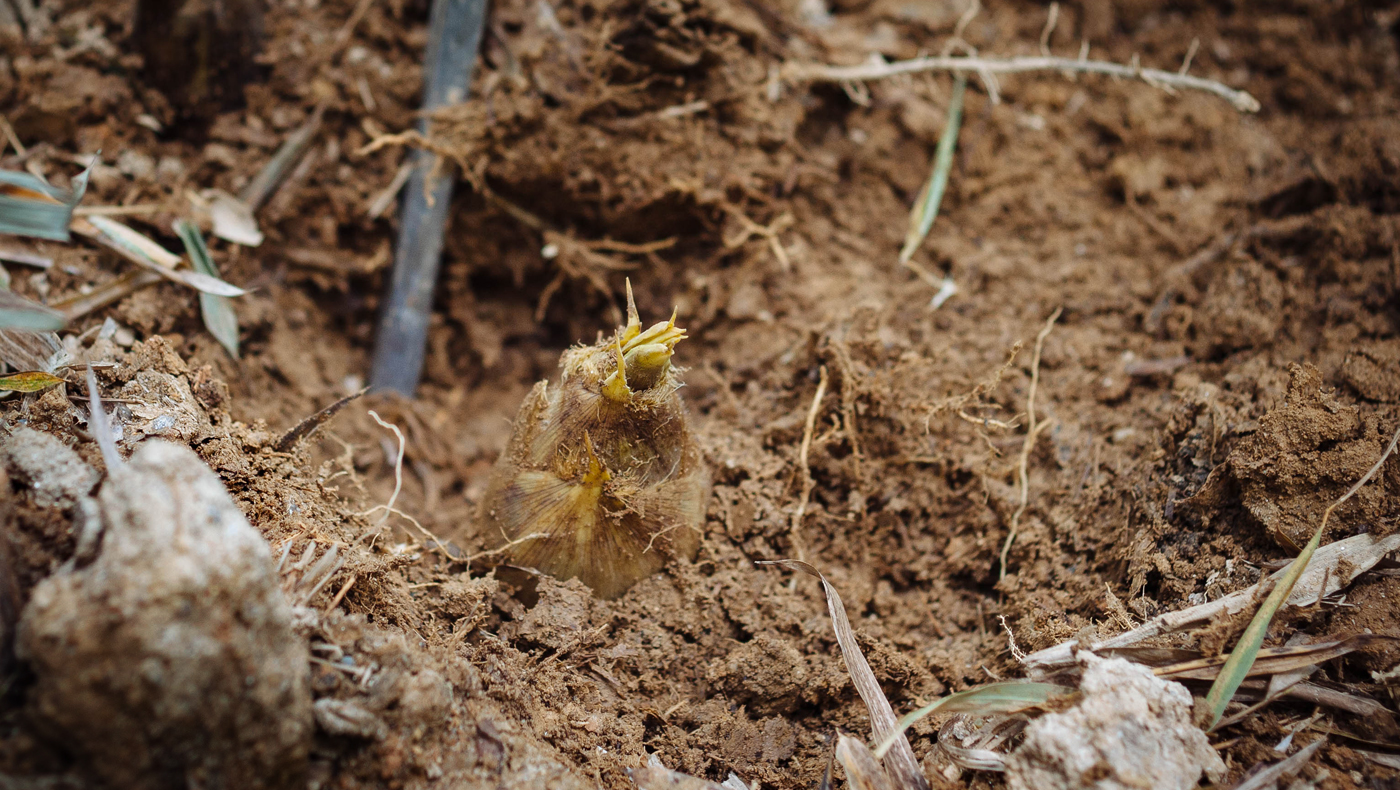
(863,771)
(23,350)
(1274,660)
(900,761)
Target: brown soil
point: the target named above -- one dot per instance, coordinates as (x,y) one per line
(1153,487)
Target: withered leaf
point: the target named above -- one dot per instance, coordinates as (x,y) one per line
(29,381)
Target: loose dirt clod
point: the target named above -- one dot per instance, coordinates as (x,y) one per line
(169,661)
(56,475)
(1131,730)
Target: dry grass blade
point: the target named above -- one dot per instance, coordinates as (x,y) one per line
(24,350)
(309,425)
(1381,758)
(266,182)
(807,483)
(1237,666)
(925,211)
(863,771)
(1151,656)
(29,381)
(119,211)
(1272,661)
(143,252)
(900,762)
(1270,776)
(112,291)
(1167,80)
(1382,746)
(19,313)
(1005,697)
(1331,698)
(26,259)
(31,207)
(217,311)
(1335,566)
(101,427)
(133,241)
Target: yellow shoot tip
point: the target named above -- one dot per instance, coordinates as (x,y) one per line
(634,319)
(597,474)
(615,387)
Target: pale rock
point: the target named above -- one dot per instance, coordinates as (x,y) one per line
(1131,730)
(169,661)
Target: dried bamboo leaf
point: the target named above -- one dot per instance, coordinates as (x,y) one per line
(899,761)
(309,425)
(270,177)
(30,207)
(18,313)
(926,207)
(24,350)
(233,220)
(143,252)
(37,261)
(79,305)
(1381,758)
(135,242)
(28,381)
(863,771)
(1237,666)
(1007,696)
(1273,660)
(217,311)
(1332,698)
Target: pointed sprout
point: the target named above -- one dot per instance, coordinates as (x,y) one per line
(615,387)
(597,474)
(667,334)
(643,357)
(634,321)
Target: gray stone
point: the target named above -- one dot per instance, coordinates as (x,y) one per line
(169,661)
(53,471)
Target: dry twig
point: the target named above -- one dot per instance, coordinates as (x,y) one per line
(798,543)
